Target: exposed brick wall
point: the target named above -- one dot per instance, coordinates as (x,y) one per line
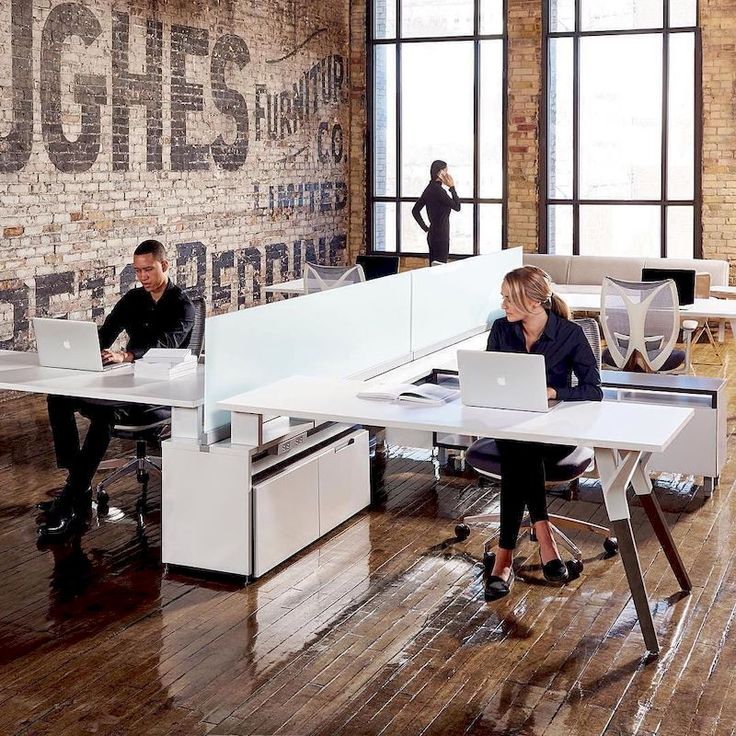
(358,124)
(524,90)
(718,21)
(223,129)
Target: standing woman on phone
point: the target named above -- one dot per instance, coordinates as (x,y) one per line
(438,204)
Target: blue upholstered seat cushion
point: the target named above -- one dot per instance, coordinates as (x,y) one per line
(483,456)
(675,360)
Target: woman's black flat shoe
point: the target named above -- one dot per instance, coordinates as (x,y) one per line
(497,587)
(555,571)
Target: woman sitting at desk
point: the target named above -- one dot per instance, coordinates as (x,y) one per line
(537,321)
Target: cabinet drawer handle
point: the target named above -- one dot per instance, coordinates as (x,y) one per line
(351,441)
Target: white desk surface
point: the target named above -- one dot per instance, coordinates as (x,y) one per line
(607,424)
(725,292)
(715,308)
(294,287)
(19,371)
(422,367)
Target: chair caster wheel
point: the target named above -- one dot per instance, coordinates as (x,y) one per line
(610,544)
(489,560)
(462,532)
(103,501)
(574,568)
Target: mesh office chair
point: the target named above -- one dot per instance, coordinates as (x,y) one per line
(322,278)
(641,323)
(484,458)
(144,425)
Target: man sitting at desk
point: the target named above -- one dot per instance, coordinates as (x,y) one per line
(159,315)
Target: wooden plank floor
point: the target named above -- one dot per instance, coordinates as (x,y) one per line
(378,629)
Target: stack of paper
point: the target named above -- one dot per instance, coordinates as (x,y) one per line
(166,363)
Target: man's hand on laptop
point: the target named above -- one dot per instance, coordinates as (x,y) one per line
(112,356)
(551,392)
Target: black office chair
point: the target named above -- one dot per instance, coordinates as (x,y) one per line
(144,425)
(375,266)
(484,458)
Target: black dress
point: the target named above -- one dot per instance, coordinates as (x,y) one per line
(438,204)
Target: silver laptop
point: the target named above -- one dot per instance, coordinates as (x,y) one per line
(503,380)
(66,343)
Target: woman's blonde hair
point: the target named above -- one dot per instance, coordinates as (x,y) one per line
(530,283)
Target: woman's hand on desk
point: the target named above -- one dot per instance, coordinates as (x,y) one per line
(551,392)
(111,356)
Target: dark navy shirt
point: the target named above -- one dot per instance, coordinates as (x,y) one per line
(566,350)
(166,323)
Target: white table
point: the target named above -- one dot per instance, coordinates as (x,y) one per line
(723,292)
(289,288)
(20,371)
(623,437)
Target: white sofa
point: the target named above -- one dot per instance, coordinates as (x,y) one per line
(573,272)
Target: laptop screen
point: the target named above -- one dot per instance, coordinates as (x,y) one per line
(684,281)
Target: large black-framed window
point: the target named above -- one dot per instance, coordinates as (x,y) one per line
(437,90)
(622,128)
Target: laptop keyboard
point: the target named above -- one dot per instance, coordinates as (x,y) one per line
(113,366)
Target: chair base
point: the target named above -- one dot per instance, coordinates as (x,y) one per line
(610,543)
(141,465)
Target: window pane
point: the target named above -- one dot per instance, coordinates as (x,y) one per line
(559,229)
(413,238)
(561,15)
(607,15)
(490,218)
(683,13)
(490,127)
(681,104)
(437,18)
(436,113)
(491,17)
(620,117)
(620,230)
(461,230)
(384,18)
(384,120)
(680,233)
(559,119)
(384,226)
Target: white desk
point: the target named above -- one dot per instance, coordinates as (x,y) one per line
(20,371)
(623,437)
(723,292)
(289,288)
(720,309)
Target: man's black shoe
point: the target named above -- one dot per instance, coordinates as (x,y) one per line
(65,498)
(67,513)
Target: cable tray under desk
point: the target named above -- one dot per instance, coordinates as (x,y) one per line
(322,434)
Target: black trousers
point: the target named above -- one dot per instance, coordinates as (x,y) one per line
(522,484)
(82,461)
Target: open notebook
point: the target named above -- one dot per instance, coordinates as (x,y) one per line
(428,393)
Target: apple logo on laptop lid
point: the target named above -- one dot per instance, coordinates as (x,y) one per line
(67,345)
(501,380)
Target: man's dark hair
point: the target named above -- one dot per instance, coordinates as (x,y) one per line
(153,247)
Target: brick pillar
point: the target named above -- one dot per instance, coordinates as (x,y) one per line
(524,90)
(718,22)
(357,224)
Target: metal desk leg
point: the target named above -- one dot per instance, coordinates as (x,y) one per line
(643,488)
(616,469)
